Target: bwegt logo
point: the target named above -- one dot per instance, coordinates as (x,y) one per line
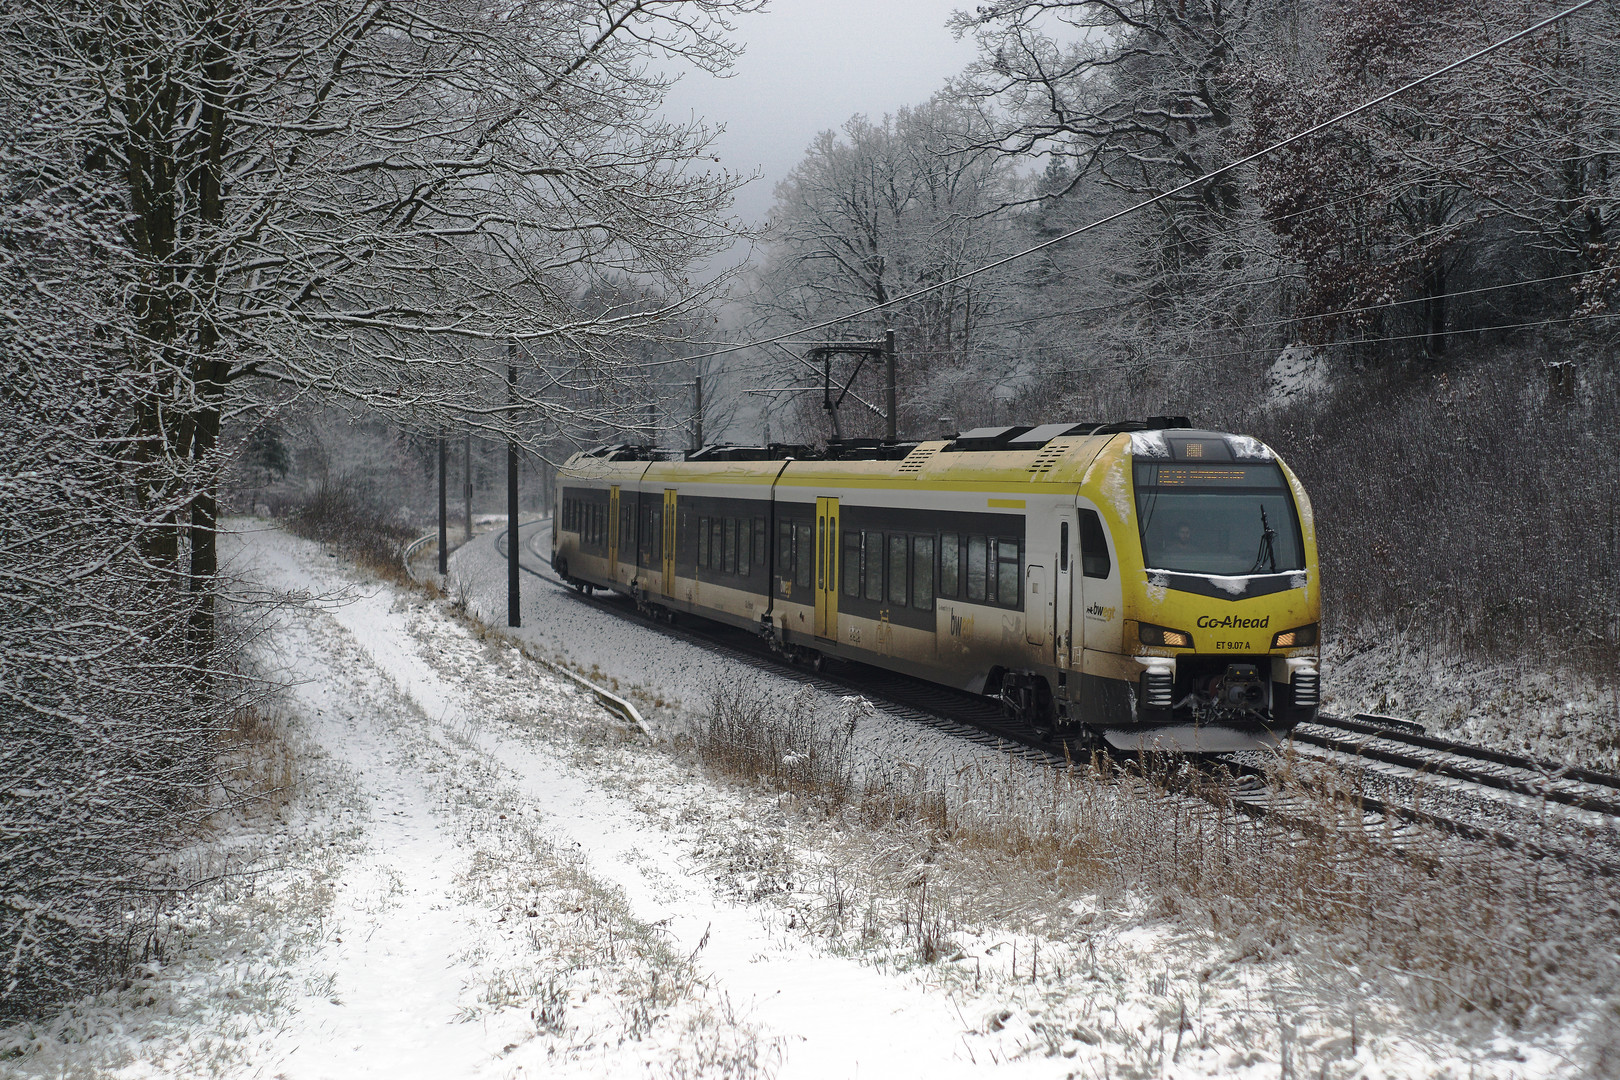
(1232,622)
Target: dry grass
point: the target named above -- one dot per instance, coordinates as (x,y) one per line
(258,766)
(916,858)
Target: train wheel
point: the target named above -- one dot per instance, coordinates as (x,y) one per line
(1026,699)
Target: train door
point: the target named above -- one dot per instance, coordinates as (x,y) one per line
(1096,589)
(827,568)
(1063,597)
(613,531)
(669,542)
(1037,604)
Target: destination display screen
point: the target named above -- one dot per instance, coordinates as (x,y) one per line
(1207,476)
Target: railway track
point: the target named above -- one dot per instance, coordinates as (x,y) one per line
(1252,788)
(1408,746)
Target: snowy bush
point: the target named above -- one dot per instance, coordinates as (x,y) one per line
(337,513)
(109,683)
(106,706)
(1468,508)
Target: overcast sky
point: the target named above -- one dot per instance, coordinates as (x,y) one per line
(808,66)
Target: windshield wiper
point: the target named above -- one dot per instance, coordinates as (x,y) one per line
(1268,547)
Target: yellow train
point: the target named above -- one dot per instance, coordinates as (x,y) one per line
(1145,583)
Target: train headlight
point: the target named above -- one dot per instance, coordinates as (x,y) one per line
(1148,634)
(1297,638)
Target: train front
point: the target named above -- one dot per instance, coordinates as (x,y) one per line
(1223,622)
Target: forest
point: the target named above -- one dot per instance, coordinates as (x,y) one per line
(1415,304)
(230,229)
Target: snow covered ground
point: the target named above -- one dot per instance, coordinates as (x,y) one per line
(481,873)
(1524,709)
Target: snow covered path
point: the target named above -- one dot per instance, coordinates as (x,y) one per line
(395,974)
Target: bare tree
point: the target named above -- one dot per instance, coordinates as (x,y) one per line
(1124,101)
(206,207)
(370,199)
(109,723)
(877,211)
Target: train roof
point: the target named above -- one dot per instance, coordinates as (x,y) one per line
(1011,437)
(1046,453)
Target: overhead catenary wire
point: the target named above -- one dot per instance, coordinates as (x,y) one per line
(1163,195)
(1530,325)
(1341,312)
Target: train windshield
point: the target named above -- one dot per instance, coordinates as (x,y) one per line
(1230,520)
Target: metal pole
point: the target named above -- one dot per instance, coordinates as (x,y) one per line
(967,325)
(466,483)
(444,522)
(697,391)
(889,395)
(513,616)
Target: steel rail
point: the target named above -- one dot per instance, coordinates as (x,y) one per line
(607,698)
(412,548)
(1413,734)
(1451,826)
(1441,767)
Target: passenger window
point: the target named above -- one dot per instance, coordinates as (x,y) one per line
(784,549)
(948,568)
(804,553)
(656,537)
(760,540)
(874,566)
(976,564)
(731,545)
(1063,547)
(852,563)
(922,573)
(897,570)
(1009,572)
(1094,560)
(703,542)
(744,546)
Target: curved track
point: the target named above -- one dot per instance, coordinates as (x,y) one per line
(1252,788)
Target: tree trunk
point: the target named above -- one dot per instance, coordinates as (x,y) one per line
(208,371)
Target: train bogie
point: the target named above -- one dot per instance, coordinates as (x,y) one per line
(1149,584)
